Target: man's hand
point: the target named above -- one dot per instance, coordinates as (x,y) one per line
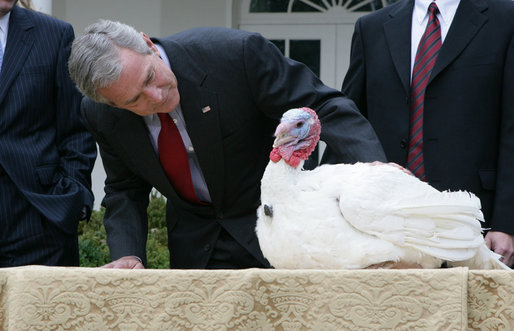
(503,244)
(126,262)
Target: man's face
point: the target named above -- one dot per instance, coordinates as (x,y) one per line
(6,6)
(146,85)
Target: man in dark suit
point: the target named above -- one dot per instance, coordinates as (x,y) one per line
(225,89)
(468,117)
(46,154)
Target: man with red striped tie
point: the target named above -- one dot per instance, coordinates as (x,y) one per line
(436,81)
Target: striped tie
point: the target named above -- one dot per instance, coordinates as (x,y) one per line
(426,55)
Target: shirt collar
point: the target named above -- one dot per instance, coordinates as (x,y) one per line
(447,9)
(162,54)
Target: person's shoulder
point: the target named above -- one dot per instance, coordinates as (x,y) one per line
(89,106)
(500,3)
(99,115)
(388,11)
(499,11)
(39,19)
(208,33)
(503,6)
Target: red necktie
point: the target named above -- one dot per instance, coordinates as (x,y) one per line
(426,55)
(174,160)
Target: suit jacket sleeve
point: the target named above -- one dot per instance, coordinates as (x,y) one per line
(127,195)
(503,213)
(279,83)
(76,146)
(355,79)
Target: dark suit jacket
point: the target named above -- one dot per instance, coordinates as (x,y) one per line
(248,84)
(44,148)
(469,103)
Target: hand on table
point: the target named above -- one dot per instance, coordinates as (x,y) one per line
(126,262)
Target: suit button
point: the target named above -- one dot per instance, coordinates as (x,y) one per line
(403,143)
(207,247)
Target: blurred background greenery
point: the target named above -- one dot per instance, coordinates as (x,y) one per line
(93,245)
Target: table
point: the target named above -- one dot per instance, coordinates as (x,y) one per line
(56,298)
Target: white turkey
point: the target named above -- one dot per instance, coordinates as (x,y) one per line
(352,216)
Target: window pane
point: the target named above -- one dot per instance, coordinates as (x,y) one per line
(372,6)
(281,44)
(281,6)
(268,6)
(308,52)
(299,6)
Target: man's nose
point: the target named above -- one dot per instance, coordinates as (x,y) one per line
(153,93)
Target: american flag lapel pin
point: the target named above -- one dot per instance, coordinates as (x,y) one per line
(206,109)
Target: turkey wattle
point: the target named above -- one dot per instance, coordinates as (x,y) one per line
(352,216)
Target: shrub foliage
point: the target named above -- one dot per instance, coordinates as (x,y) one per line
(93,245)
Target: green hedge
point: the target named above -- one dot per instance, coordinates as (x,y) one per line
(92,240)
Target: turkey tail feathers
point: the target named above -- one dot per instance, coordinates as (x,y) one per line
(447,227)
(445,203)
(483,259)
(457,236)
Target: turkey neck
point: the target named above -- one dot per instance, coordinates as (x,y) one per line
(279,177)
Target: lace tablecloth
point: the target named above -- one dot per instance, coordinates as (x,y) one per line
(51,298)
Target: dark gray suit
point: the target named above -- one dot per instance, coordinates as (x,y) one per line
(248,84)
(469,103)
(46,155)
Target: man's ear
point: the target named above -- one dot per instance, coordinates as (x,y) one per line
(150,43)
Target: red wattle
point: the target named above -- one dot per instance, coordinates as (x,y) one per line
(275,155)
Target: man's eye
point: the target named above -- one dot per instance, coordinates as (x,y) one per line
(151,77)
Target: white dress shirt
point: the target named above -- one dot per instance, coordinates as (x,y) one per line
(447,9)
(154,126)
(4,29)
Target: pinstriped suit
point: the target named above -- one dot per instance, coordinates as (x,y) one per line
(46,156)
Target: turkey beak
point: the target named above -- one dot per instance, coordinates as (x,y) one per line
(283,139)
(282,135)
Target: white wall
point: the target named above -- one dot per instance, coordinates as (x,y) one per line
(179,15)
(143,15)
(157,18)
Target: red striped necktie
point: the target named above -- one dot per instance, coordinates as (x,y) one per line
(426,55)
(174,160)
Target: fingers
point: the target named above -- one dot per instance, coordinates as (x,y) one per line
(126,262)
(503,244)
(488,241)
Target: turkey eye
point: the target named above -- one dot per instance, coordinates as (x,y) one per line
(299,124)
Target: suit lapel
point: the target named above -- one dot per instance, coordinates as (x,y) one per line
(398,35)
(204,130)
(19,43)
(467,22)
